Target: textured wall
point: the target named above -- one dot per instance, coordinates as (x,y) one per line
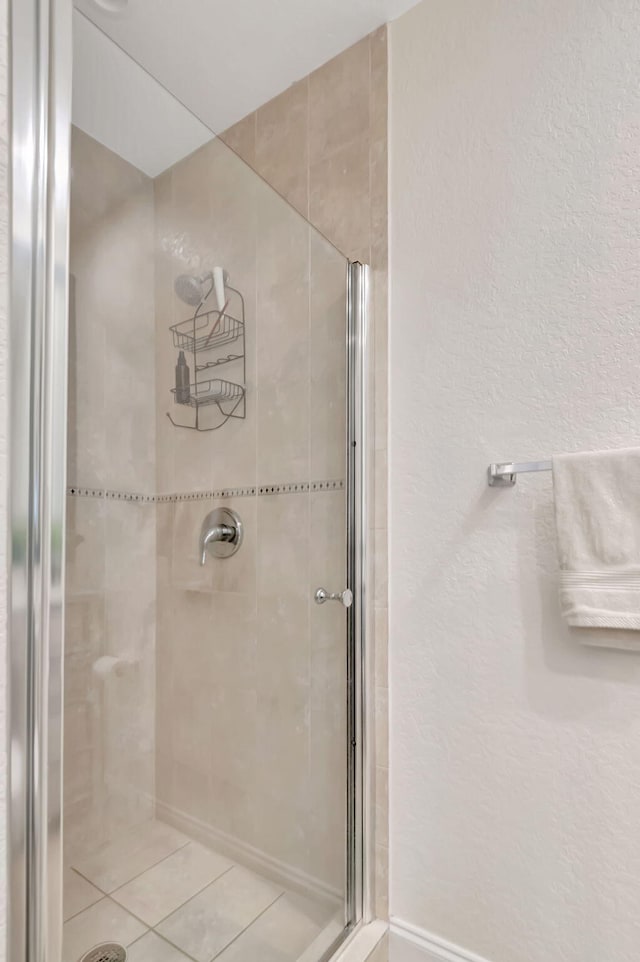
(4,321)
(515,144)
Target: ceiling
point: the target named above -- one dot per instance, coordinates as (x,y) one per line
(220,58)
(121,106)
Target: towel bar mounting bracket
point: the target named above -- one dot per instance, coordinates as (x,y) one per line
(500,476)
(503,475)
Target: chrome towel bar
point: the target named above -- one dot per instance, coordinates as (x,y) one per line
(504,475)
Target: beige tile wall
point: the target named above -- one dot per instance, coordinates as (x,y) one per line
(251,729)
(110,565)
(323,145)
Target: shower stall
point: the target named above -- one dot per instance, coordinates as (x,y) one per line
(189,717)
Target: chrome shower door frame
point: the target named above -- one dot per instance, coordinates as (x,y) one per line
(360,853)
(40,100)
(360,860)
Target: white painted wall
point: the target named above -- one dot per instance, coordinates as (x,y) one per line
(515,333)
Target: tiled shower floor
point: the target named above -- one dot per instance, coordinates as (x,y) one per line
(169,899)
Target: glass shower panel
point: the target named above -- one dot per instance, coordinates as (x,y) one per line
(207,719)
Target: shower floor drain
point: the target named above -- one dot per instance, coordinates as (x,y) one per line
(105,952)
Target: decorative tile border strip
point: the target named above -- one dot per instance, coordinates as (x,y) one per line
(130,496)
(208,495)
(76,492)
(292,487)
(327,485)
(300,487)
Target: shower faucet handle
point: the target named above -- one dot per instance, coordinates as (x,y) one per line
(221,534)
(346,596)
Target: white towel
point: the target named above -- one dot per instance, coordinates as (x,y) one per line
(597,499)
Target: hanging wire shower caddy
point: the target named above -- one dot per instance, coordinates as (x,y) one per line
(202,336)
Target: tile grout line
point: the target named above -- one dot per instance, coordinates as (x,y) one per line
(133,877)
(101,895)
(247,927)
(153,928)
(187,955)
(164,918)
(190,899)
(164,858)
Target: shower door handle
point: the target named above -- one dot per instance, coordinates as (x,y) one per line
(346,596)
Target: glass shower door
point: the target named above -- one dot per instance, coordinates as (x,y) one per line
(210,688)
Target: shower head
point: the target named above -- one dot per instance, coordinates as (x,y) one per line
(193,290)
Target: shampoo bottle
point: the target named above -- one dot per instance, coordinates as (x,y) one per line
(182,380)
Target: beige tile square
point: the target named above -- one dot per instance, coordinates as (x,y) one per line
(283,549)
(185,789)
(286,824)
(130,546)
(192,450)
(87,349)
(83,826)
(284,419)
(85,546)
(283,646)
(284,746)
(84,623)
(382,806)
(283,345)
(78,719)
(379,207)
(151,948)
(381,641)
(234,639)
(209,922)
(339,200)
(77,776)
(380,566)
(81,685)
(381,327)
(282,145)
(116,863)
(235,724)
(187,573)
(164,543)
(382,881)
(327,819)
(380,488)
(194,712)
(78,893)
(339,101)
(129,412)
(328,316)
(165,887)
(381,415)
(103,922)
(281,934)
(382,727)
